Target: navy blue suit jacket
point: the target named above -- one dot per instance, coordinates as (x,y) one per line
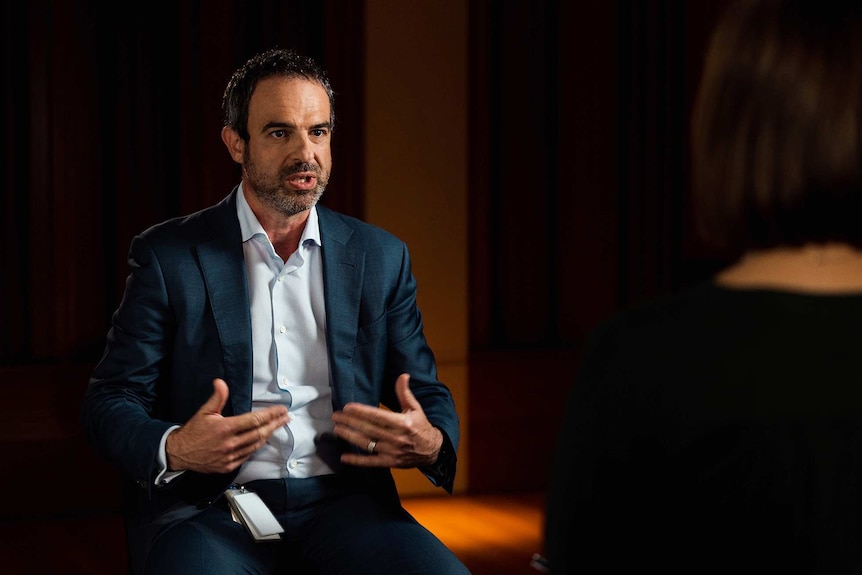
(184,320)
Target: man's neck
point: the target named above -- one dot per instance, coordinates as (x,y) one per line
(283,231)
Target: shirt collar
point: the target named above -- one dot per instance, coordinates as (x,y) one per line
(250,226)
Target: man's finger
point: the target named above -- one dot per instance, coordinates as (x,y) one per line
(406,398)
(217,401)
(264,420)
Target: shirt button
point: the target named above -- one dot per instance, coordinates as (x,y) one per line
(282,329)
(292,464)
(280,278)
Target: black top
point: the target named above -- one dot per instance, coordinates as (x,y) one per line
(715,431)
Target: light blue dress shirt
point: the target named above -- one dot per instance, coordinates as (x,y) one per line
(290,361)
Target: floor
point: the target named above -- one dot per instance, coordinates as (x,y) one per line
(494,534)
(491,534)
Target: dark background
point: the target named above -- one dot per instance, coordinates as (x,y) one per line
(112,113)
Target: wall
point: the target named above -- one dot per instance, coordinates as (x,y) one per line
(416,172)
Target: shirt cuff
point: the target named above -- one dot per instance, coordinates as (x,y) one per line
(163,476)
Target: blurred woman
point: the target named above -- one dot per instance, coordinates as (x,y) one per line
(720,429)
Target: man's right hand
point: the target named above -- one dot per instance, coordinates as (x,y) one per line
(212,443)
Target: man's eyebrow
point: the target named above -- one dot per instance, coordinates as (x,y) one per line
(292,127)
(278,126)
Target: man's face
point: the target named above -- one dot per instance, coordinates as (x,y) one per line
(287,161)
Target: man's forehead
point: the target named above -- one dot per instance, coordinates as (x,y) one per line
(289,99)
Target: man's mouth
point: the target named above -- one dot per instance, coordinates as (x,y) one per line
(303,181)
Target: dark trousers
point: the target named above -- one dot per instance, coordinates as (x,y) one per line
(329,529)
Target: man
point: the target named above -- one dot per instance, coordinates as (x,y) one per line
(253,346)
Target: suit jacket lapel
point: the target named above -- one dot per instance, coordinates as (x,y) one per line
(343,268)
(223,266)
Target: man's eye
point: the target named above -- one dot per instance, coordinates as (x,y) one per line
(278,133)
(318,133)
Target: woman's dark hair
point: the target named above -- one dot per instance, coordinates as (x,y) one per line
(776,126)
(275,62)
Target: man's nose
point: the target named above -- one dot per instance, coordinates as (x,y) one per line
(304,150)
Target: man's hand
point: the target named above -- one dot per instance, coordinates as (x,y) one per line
(212,443)
(405,439)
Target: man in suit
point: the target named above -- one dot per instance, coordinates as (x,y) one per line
(254,345)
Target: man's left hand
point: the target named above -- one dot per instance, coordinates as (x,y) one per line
(405,439)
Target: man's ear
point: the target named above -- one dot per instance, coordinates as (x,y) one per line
(235,144)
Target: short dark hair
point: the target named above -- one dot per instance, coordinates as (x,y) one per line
(274,62)
(776,148)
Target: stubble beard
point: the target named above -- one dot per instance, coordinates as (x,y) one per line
(274,193)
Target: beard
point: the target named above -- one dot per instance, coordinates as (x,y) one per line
(273,192)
